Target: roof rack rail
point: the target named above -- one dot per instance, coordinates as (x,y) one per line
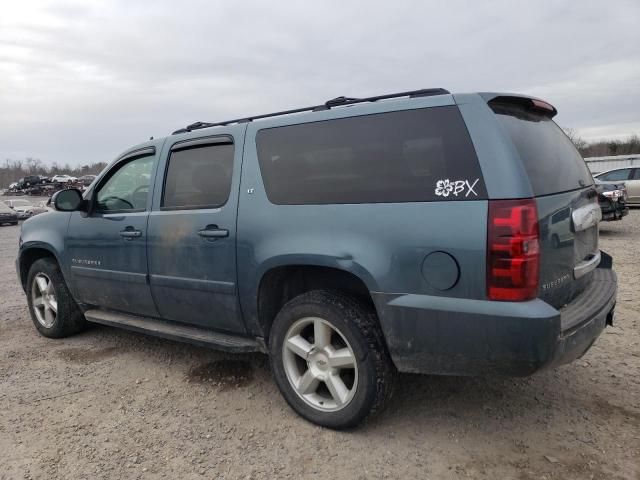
(335,102)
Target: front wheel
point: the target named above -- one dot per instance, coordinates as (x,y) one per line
(329,359)
(53,310)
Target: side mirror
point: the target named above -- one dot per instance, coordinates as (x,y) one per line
(69,200)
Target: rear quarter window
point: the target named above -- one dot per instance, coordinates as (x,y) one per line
(550,159)
(408,156)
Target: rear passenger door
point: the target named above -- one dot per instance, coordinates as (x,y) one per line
(192,231)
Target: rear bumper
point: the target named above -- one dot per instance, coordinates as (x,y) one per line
(449,336)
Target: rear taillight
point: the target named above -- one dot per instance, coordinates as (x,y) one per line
(513,250)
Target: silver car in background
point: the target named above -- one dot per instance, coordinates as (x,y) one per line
(24,208)
(7,215)
(631,178)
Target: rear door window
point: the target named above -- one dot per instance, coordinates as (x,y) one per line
(408,156)
(550,159)
(199,177)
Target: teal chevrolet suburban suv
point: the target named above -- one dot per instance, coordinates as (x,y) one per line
(411,232)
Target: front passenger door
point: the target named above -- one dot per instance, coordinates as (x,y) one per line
(106,248)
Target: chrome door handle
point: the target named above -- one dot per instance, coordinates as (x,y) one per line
(212,231)
(130,234)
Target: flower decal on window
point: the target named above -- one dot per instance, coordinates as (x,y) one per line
(444,188)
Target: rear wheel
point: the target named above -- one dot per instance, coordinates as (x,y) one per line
(53,310)
(329,359)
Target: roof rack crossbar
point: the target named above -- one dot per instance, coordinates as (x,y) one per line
(335,102)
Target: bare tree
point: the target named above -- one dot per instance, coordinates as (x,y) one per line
(604,148)
(578,141)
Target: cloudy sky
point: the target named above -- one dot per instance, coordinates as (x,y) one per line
(82,80)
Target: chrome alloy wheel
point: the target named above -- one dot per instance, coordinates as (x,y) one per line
(320,364)
(43,298)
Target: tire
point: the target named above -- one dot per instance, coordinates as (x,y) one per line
(354,332)
(53,310)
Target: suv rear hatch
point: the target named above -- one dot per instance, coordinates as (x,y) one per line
(565,197)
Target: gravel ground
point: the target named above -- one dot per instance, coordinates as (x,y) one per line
(113,404)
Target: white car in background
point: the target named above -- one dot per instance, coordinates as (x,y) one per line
(629,176)
(42,207)
(63,179)
(23,208)
(7,215)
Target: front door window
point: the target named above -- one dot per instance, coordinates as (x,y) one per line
(127,188)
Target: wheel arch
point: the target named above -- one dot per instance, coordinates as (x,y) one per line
(281,283)
(29,255)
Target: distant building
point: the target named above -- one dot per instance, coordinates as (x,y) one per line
(602,164)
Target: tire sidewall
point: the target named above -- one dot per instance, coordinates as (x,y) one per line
(363,399)
(65,308)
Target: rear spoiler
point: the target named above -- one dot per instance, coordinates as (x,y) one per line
(530,103)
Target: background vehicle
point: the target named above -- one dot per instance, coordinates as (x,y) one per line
(7,215)
(412,232)
(28,181)
(612,198)
(631,179)
(86,180)
(42,207)
(23,208)
(63,179)
(31,181)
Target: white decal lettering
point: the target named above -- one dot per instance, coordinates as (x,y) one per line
(459,187)
(470,187)
(456,187)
